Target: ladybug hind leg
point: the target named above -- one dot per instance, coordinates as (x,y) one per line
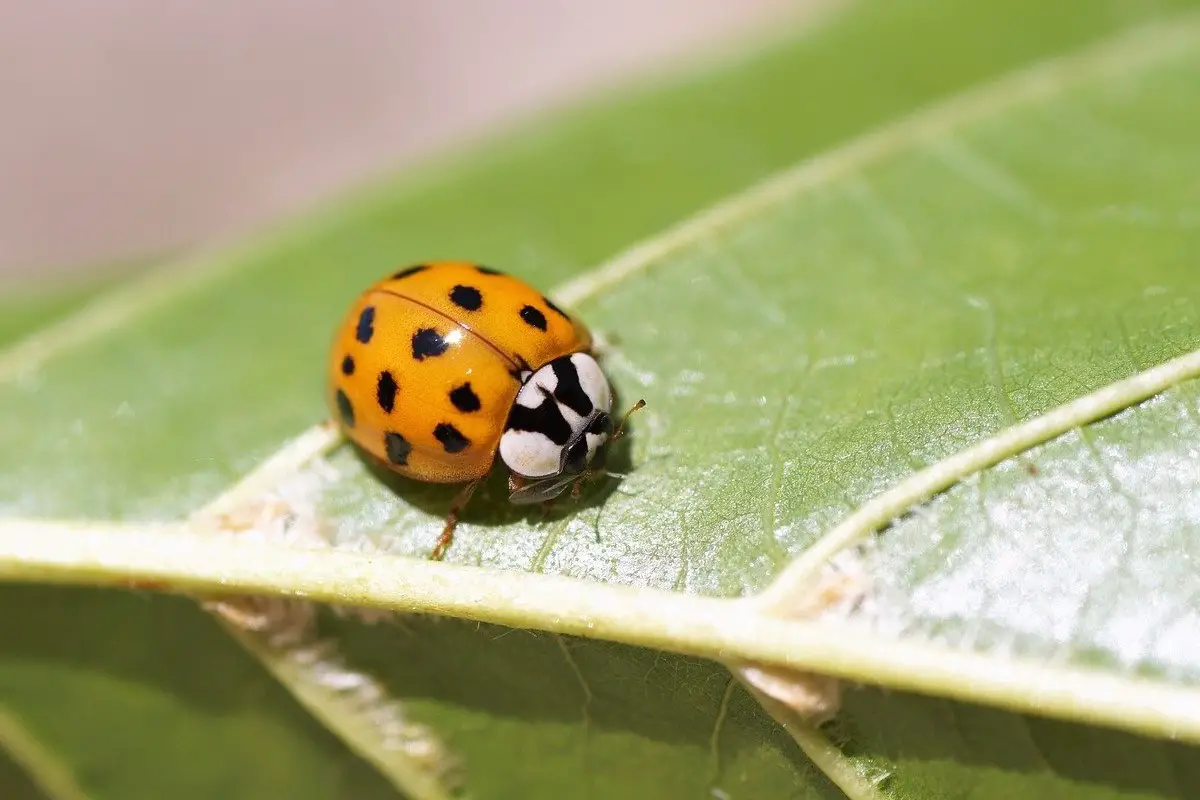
(456,506)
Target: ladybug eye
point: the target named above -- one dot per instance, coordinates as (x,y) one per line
(575,459)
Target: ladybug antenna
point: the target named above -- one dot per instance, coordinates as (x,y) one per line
(621,428)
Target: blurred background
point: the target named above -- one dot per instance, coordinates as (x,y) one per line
(137,128)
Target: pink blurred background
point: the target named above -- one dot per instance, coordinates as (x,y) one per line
(138,127)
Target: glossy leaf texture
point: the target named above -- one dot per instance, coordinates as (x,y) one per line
(1005,241)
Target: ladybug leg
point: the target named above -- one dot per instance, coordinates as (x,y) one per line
(456,506)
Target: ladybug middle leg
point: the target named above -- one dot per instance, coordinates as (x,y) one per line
(577,486)
(456,507)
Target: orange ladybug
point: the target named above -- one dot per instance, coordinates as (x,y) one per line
(439,366)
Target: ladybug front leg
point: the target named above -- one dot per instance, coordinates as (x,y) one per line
(456,506)
(577,486)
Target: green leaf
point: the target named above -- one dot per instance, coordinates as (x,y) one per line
(143,699)
(992,215)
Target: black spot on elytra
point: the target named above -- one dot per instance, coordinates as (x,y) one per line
(534,317)
(385,391)
(404,273)
(345,409)
(397,448)
(569,391)
(550,305)
(487,270)
(366,325)
(348,365)
(427,342)
(466,297)
(546,419)
(464,398)
(452,440)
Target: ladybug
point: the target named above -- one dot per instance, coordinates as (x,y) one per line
(440,366)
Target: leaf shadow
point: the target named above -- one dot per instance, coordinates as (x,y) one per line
(489,506)
(934,740)
(447,670)
(109,679)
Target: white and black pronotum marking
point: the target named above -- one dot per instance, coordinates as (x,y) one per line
(559,423)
